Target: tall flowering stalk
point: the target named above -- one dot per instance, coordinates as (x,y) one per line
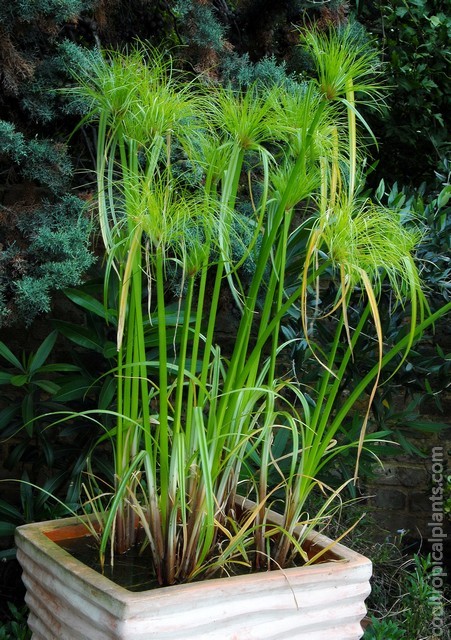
(188,422)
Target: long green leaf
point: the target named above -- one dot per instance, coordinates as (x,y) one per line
(82,336)
(5,378)
(9,356)
(43,352)
(89,303)
(19,380)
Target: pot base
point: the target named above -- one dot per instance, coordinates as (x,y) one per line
(70,601)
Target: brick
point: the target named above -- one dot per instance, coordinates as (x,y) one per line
(390,499)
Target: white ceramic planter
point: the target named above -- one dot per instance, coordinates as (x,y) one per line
(70,601)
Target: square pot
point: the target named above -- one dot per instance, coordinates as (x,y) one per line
(70,601)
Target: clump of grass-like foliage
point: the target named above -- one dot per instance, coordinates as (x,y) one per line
(189,421)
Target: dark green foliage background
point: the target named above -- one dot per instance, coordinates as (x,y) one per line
(237,42)
(44,231)
(414,39)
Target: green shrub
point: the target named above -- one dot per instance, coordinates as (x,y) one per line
(406,604)
(414,39)
(16,625)
(43,234)
(48,251)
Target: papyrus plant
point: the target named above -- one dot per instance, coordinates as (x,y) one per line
(174,158)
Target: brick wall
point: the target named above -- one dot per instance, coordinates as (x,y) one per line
(403,490)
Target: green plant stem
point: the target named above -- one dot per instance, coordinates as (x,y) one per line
(371,375)
(352,138)
(163,429)
(180,387)
(228,196)
(191,401)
